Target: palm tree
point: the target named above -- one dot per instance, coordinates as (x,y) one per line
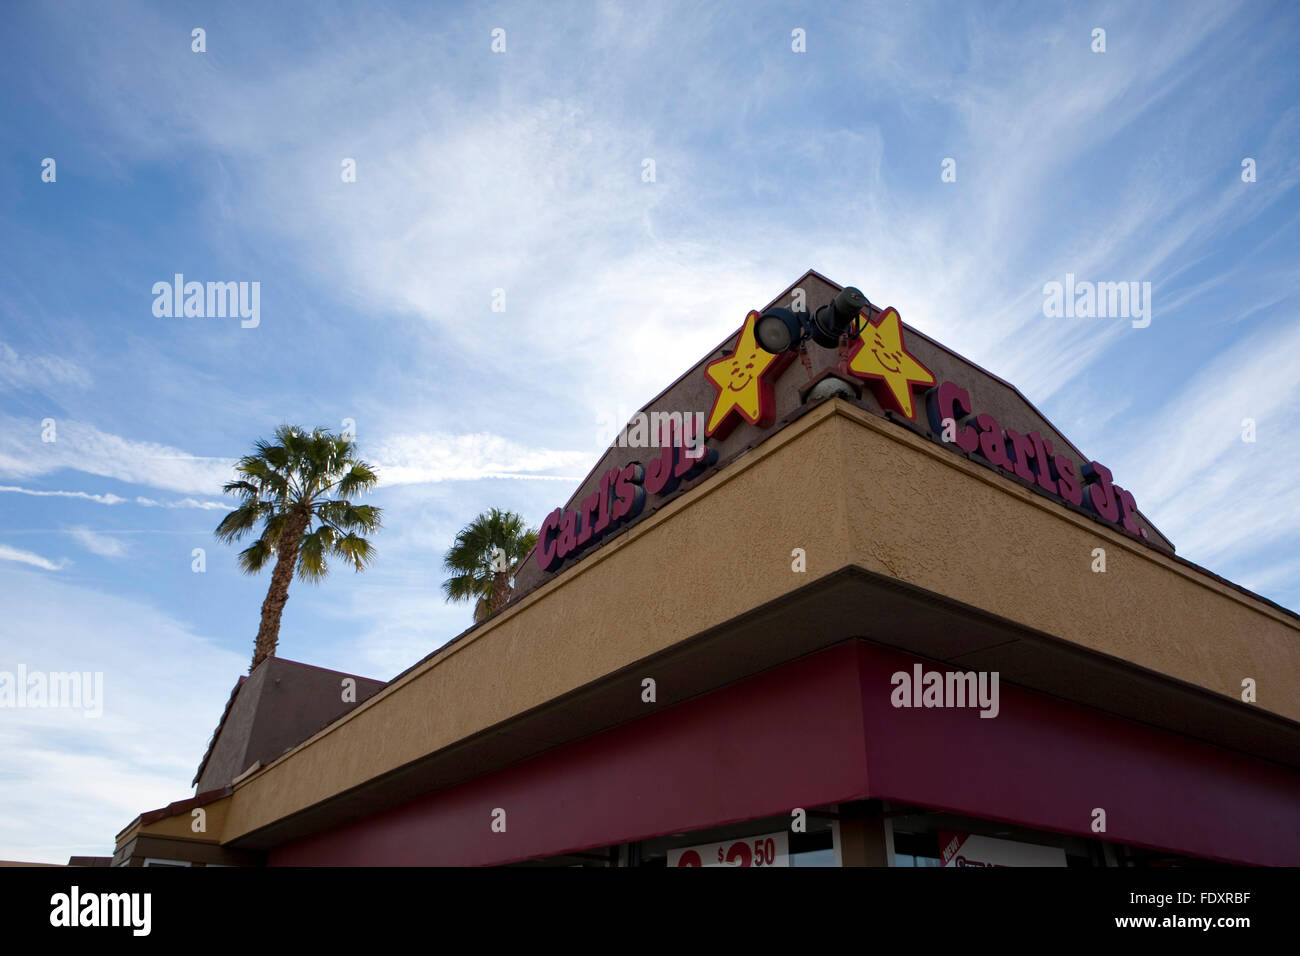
(481,557)
(287,484)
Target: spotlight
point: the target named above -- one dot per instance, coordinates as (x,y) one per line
(832,321)
(779,330)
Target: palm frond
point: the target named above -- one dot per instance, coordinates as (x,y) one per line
(312,565)
(462,587)
(274,526)
(245,489)
(360,478)
(255,557)
(355,549)
(240,521)
(346,516)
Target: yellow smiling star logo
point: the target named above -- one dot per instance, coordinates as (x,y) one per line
(880,355)
(744,383)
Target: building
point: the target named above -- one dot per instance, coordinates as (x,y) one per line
(881,612)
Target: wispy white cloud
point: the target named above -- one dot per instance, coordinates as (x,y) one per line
(183,503)
(966,261)
(39,371)
(8,553)
(112,499)
(433,456)
(1282,576)
(518,475)
(78,446)
(98,543)
(1217,496)
(104,499)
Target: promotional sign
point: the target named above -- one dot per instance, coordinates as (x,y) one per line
(966,849)
(770,849)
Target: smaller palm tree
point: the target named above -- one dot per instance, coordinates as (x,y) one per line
(481,558)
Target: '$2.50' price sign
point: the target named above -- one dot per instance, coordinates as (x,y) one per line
(770,849)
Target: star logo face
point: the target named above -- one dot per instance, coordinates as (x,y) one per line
(744,383)
(879,354)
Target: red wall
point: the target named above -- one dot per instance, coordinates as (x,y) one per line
(1046,763)
(821,730)
(790,737)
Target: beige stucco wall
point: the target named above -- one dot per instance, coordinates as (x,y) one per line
(181,825)
(990,543)
(847,487)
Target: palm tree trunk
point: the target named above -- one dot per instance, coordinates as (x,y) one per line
(500,591)
(268,634)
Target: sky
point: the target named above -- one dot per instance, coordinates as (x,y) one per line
(519,178)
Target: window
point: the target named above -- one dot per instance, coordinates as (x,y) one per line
(916,849)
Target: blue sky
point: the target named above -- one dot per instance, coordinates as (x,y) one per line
(522,171)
